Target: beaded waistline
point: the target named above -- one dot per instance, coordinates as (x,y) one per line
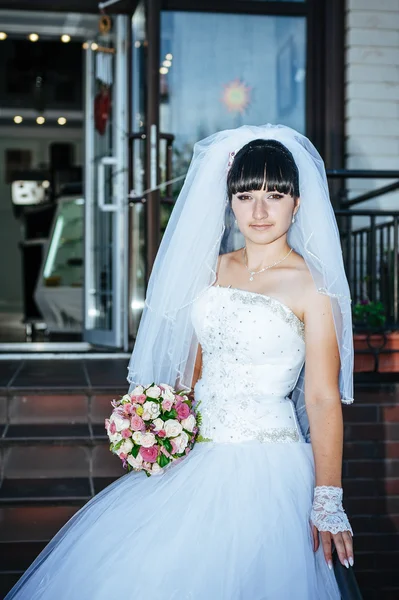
(271,422)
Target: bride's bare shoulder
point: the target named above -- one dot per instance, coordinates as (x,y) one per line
(226,261)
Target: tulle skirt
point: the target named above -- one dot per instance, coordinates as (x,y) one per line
(230,522)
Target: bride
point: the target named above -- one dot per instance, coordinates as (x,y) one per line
(248,286)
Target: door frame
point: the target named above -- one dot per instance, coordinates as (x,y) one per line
(325,83)
(117,336)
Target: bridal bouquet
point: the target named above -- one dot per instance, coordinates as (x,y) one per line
(152,427)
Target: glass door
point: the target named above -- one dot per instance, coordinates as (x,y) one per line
(106,186)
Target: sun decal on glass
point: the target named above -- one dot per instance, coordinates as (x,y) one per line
(236,96)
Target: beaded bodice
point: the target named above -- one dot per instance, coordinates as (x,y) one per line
(253,351)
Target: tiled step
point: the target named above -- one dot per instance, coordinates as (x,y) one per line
(54,433)
(8,580)
(17,556)
(60,460)
(51,492)
(19,407)
(33,523)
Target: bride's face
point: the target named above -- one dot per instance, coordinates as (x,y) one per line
(264,216)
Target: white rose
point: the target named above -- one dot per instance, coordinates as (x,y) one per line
(159,424)
(135,462)
(166,386)
(126,398)
(156,469)
(181,442)
(148,440)
(137,391)
(125,447)
(137,437)
(189,423)
(114,438)
(151,410)
(172,428)
(168,395)
(120,422)
(154,391)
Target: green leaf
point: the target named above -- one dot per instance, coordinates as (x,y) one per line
(163,460)
(167,444)
(118,445)
(135,450)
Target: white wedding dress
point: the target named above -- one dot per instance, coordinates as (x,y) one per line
(231,521)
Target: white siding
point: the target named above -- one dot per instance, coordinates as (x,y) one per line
(372,92)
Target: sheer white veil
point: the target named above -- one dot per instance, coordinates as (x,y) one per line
(201,227)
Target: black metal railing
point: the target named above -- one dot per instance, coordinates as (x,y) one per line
(370,242)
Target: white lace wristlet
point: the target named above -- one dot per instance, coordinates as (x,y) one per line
(327,511)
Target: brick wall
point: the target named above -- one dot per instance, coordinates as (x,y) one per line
(371,487)
(372,92)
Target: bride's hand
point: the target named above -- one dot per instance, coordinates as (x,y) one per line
(342,542)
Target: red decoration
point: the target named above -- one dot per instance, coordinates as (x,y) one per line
(102,109)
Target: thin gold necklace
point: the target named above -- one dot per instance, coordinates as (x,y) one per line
(252,273)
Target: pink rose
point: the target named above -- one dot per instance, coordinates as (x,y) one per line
(137,423)
(167,404)
(123,456)
(182,410)
(140,398)
(126,433)
(127,408)
(161,433)
(165,452)
(107,423)
(112,428)
(149,454)
(174,447)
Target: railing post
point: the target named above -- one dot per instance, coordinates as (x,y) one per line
(395,269)
(373,260)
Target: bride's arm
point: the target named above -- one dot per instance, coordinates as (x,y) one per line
(197,367)
(324,409)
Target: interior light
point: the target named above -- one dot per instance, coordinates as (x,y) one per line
(137,44)
(169,56)
(167,63)
(163,70)
(3,36)
(85,45)
(40,120)
(65,38)
(94,46)
(61,121)
(33,37)
(45,184)
(18,119)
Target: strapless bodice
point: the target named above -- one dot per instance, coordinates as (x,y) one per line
(253,352)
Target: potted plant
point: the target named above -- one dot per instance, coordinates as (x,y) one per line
(372,342)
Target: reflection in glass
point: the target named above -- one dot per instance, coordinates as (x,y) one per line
(228,70)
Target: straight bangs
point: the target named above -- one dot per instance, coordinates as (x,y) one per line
(263,165)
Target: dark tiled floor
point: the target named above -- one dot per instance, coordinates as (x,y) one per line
(8,369)
(64,374)
(107,373)
(51,373)
(100,483)
(99,431)
(27,433)
(15,556)
(39,489)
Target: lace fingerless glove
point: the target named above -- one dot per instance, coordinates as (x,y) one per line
(327,510)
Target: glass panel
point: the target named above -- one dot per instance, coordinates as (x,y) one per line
(101,289)
(137,254)
(59,292)
(64,261)
(221,71)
